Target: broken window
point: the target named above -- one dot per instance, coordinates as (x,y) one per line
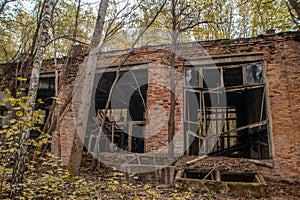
(46,83)
(254,73)
(238,129)
(125,121)
(117,115)
(192,77)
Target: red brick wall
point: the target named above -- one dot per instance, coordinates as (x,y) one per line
(158,99)
(66,127)
(158,106)
(284,95)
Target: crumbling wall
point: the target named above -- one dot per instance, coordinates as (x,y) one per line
(281,56)
(63,136)
(158,109)
(281,53)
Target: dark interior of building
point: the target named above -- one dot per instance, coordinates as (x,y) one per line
(238,129)
(44,98)
(125,119)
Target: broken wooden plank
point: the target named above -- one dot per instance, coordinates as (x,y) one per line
(191,162)
(210,172)
(262,163)
(233,88)
(253,125)
(129,147)
(194,134)
(218,175)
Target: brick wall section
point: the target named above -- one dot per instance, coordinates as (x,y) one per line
(157,108)
(284,89)
(67,128)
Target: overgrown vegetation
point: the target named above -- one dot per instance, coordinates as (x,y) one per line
(45,177)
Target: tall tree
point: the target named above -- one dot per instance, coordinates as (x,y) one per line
(20,165)
(174,37)
(88,82)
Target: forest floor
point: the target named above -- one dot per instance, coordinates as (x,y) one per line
(114,185)
(48,179)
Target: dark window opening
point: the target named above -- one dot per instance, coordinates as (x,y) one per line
(125,120)
(45,95)
(233,76)
(46,84)
(240,129)
(249,137)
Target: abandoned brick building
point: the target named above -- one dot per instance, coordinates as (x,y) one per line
(257,77)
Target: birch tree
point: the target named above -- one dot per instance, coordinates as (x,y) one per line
(20,165)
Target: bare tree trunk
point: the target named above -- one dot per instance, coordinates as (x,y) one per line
(95,42)
(88,80)
(171,122)
(20,165)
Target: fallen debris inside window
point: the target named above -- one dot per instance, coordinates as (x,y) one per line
(236,176)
